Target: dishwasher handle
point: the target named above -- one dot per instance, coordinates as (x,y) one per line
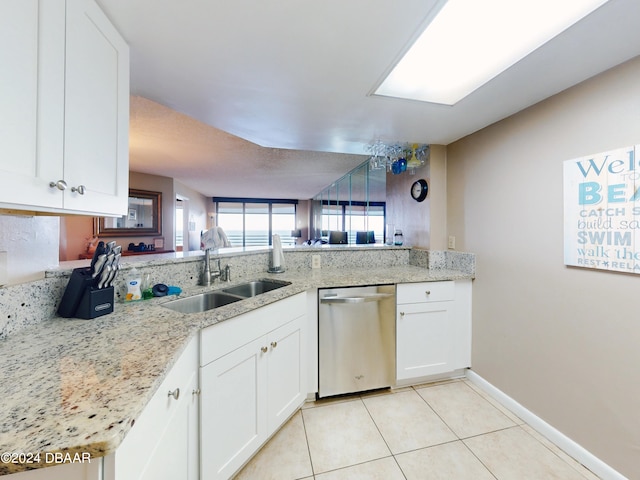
(376,297)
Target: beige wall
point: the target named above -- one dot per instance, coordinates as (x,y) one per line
(75,230)
(423,224)
(196,206)
(165,185)
(412,217)
(564,342)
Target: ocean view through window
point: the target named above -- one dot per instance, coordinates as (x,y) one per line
(252,222)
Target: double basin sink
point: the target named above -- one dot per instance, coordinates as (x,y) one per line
(218,298)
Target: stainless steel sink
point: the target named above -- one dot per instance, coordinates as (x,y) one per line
(251,289)
(202,302)
(218,298)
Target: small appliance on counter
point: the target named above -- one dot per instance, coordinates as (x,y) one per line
(90,293)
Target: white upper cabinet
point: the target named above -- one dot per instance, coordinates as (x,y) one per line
(64,108)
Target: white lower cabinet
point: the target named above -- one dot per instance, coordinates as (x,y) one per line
(285,387)
(433,328)
(249,388)
(163,443)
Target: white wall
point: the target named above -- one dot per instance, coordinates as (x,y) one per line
(564,342)
(31,244)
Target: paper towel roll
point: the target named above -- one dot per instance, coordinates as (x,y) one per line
(277,252)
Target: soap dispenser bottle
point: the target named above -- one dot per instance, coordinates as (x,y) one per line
(398,237)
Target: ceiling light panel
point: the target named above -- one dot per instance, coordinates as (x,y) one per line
(469,42)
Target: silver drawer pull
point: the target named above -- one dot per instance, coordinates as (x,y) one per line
(402,314)
(60,185)
(428,292)
(175,394)
(80,189)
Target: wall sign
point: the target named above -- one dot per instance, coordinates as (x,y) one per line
(602,211)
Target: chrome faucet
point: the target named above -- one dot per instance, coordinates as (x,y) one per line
(207,274)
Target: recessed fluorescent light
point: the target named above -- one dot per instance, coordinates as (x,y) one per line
(469,42)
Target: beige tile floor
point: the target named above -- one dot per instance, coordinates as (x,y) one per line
(448,430)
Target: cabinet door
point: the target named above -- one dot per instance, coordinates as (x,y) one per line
(232,410)
(284,374)
(174,454)
(96,122)
(162,443)
(423,339)
(32,36)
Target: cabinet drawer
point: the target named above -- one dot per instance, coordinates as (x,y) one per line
(425,292)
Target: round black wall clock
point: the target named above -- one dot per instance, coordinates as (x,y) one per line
(419,190)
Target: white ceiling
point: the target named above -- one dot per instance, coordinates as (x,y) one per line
(293,77)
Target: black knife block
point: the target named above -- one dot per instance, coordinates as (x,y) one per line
(82,299)
(95,302)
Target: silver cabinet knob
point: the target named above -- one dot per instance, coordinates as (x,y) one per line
(196,392)
(80,189)
(264,349)
(402,314)
(60,185)
(175,394)
(274,344)
(428,292)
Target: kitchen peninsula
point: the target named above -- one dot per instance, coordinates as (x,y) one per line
(78,386)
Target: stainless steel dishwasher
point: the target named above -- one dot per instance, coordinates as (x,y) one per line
(356,339)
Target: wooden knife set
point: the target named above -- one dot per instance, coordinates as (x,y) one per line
(90,293)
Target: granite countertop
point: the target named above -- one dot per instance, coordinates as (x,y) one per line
(76,386)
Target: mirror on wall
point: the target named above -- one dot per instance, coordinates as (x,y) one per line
(355,204)
(144,217)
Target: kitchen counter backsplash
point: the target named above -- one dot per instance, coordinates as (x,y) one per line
(443,259)
(29,304)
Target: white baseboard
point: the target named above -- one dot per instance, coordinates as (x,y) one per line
(460,373)
(582,455)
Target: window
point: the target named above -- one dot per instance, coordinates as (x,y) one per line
(256,225)
(352,217)
(252,222)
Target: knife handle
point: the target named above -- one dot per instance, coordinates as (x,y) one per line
(114,274)
(115,266)
(110,246)
(106,271)
(98,266)
(97,252)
